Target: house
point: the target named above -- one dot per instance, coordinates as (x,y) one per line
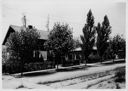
(40,52)
(76,54)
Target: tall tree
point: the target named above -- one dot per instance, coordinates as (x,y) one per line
(60,41)
(103,32)
(88,37)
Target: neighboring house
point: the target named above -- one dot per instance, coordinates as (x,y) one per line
(76,54)
(40,52)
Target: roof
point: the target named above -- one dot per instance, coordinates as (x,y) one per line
(13,28)
(78,49)
(16,28)
(94,48)
(43,34)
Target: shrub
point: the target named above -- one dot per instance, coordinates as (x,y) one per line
(11,66)
(120,75)
(67,63)
(93,58)
(76,62)
(38,66)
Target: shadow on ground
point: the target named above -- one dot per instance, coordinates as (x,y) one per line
(115,62)
(38,74)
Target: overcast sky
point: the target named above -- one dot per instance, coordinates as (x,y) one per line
(73,12)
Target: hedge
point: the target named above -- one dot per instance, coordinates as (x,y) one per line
(15,67)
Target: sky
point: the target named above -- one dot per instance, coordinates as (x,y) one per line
(72,12)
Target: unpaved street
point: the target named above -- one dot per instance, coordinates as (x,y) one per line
(67,79)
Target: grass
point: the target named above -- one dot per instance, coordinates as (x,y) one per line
(118,79)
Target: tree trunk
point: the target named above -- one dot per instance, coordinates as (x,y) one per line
(21,67)
(101,59)
(57,61)
(86,61)
(57,65)
(113,60)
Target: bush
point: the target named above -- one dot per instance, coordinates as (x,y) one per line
(38,66)
(67,63)
(70,63)
(120,75)
(11,66)
(121,54)
(76,62)
(93,58)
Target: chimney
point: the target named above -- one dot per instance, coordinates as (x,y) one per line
(30,26)
(24,21)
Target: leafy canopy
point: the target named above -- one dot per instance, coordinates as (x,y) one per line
(88,37)
(118,43)
(60,39)
(103,32)
(21,44)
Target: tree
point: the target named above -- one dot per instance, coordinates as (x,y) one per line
(118,43)
(76,43)
(88,39)
(60,41)
(109,52)
(21,45)
(103,32)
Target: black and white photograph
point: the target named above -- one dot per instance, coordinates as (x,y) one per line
(63,44)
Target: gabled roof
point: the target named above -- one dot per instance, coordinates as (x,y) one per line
(43,34)
(13,28)
(16,28)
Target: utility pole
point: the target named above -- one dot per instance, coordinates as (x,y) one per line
(24,21)
(47,25)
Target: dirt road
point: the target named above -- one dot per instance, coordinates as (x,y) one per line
(67,79)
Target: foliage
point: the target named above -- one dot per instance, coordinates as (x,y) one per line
(70,63)
(12,66)
(118,43)
(93,58)
(108,54)
(103,32)
(76,43)
(21,44)
(88,37)
(60,40)
(38,66)
(4,55)
(120,75)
